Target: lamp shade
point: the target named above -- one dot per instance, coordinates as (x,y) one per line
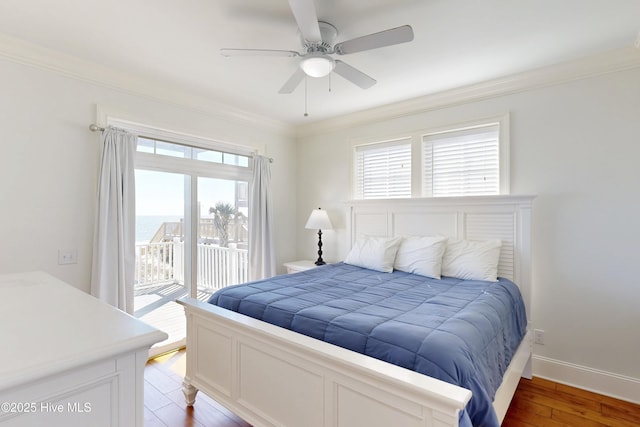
(319,220)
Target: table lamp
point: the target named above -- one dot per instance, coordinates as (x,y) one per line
(319,220)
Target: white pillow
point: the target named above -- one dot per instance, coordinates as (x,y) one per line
(374,253)
(421,255)
(472,260)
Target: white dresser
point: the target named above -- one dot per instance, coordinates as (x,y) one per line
(68,359)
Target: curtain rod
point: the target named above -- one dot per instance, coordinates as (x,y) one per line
(95,128)
(270,159)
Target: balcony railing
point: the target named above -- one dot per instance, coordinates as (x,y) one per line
(155,263)
(163,263)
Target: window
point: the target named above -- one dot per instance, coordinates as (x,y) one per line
(463,162)
(467,159)
(383,170)
(164,148)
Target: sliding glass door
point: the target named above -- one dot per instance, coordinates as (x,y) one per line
(159,267)
(192,220)
(223,218)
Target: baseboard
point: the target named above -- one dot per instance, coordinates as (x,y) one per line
(602,382)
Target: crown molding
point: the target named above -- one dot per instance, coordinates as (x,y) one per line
(20,51)
(25,53)
(608,62)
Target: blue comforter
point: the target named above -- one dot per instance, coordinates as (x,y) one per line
(462,332)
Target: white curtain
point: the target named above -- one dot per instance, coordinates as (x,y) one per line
(112,273)
(262,262)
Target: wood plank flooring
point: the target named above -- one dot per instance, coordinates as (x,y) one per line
(537,402)
(164,402)
(540,402)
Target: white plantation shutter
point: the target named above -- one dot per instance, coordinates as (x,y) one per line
(383,170)
(462,162)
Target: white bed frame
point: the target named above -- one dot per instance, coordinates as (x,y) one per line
(271,376)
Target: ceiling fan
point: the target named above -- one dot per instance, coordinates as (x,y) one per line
(317,40)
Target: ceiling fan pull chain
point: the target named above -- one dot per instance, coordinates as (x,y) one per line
(329,82)
(306,104)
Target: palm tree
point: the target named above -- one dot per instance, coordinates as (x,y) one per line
(223,214)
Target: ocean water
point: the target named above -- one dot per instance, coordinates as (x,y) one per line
(147,225)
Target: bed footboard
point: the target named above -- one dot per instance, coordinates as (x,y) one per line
(274,377)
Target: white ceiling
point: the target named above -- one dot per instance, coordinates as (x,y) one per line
(457,42)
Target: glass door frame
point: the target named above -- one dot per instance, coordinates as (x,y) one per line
(191,214)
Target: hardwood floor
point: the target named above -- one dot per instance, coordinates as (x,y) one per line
(536,403)
(164,403)
(541,402)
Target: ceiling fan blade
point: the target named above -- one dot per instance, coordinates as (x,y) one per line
(293,81)
(257,52)
(355,76)
(376,40)
(305,13)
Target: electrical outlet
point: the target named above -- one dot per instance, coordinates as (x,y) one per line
(538,336)
(67,256)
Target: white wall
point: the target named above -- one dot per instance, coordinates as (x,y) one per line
(577,147)
(49,165)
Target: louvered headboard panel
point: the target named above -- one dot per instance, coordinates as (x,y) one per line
(481,226)
(507,218)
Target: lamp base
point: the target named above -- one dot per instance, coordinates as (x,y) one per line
(320,261)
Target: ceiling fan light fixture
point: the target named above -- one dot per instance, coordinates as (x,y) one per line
(317,65)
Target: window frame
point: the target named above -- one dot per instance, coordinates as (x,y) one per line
(389,142)
(503,148)
(204,168)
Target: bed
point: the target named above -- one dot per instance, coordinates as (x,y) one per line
(274,376)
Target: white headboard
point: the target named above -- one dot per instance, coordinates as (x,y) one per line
(507,218)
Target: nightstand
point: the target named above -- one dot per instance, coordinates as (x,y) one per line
(296,266)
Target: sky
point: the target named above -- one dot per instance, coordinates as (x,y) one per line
(162,193)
